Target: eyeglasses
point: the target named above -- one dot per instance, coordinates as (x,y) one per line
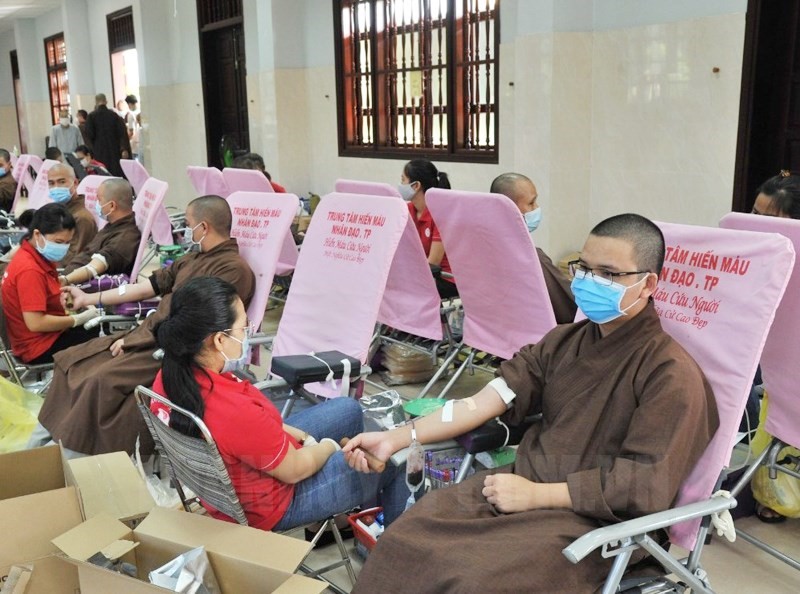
(600,276)
(249,329)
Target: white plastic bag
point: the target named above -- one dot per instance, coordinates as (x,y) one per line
(189,573)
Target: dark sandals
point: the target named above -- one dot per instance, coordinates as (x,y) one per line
(768,515)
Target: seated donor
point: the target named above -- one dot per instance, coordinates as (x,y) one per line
(256,161)
(626,415)
(91,165)
(89,405)
(419,176)
(36,322)
(8,185)
(54,154)
(64,190)
(523,193)
(113,250)
(285,474)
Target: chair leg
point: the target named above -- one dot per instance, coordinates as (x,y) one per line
(441,371)
(465,365)
(345,557)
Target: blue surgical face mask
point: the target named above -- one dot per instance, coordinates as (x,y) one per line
(533,218)
(232,365)
(98,208)
(3,172)
(188,237)
(59,195)
(406,191)
(52,251)
(600,303)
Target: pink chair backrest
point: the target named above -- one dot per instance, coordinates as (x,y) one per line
(135,172)
(147,206)
(489,247)
(717,297)
(778,361)
(411,302)
(287,261)
(207,181)
(36,162)
(88,187)
(354,186)
(39,195)
(160,227)
(260,222)
(246,180)
(341,274)
(23,177)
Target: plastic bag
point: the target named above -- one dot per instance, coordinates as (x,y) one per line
(19,410)
(189,573)
(781,494)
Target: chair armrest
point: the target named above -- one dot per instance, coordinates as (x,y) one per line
(616,532)
(95,322)
(492,435)
(400,456)
(303,369)
(259,338)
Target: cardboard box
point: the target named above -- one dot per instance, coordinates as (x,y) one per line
(109,483)
(31,471)
(29,524)
(244,559)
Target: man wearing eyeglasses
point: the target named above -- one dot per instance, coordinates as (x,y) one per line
(90,407)
(626,413)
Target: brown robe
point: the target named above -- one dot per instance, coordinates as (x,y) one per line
(8,188)
(625,418)
(85,228)
(117,241)
(558,287)
(90,405)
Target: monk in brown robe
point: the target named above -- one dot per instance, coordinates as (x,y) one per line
(113,250)
(90,406)
(626,413)
(61,177)
(523,193)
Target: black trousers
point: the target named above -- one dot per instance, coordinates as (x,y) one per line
(68,338)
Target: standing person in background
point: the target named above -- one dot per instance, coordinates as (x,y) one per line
(82,115)
(65,135)
(108,136)
(419,176)
(8,185)
(132,124)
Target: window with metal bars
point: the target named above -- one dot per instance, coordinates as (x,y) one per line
(55,52)
(216,12)
(418,77)
(120,30)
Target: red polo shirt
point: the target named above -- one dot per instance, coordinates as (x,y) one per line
(30,284)
(428,233)
(249,433)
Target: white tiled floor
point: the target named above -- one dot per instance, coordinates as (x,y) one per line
(732,567)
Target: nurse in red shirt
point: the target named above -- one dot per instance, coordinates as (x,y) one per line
(285,474)
(420,175)
(36,322)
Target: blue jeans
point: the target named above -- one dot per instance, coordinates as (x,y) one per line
(336,487)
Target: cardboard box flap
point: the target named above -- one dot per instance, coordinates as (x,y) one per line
(297,584)
(242,542)
(53,575)
(101,533)
(32,521)
(109,483)
(34,471)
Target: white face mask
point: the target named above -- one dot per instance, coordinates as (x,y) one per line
(86,161)
(64,122)
(407,191)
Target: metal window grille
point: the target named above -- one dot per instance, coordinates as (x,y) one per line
(418,77)
(120,30)
(210,12)
(55,51)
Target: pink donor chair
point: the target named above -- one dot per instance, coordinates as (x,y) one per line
(135,172)
(341,274)
(717,296)
(246,180)
(149,211)
(22,175)
(778,368)
(88,187)
(499,277)
(354,186)
(38,195)
(207,181)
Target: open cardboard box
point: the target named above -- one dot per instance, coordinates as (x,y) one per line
(243,559)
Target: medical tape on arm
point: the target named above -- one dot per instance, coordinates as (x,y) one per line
(500,386)
(92,270)
(447,409)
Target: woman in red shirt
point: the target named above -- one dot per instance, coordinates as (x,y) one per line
(285,474)
(36,322)
(420,175)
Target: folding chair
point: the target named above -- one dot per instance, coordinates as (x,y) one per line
(717,297)
(410,302)
(207,181)
(500,279)
(88,187)
(39,194)
(22,173)
(18,371)
(197,464)
(778,370)
(346,257)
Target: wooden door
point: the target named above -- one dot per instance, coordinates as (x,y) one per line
(769,116)
(224,89)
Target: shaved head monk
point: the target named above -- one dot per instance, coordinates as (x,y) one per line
(626,414)
(90,407)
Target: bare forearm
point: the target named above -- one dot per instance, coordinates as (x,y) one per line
(136,292)
(84,273)
(40,322)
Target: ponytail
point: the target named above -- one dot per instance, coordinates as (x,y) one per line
(425,172)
